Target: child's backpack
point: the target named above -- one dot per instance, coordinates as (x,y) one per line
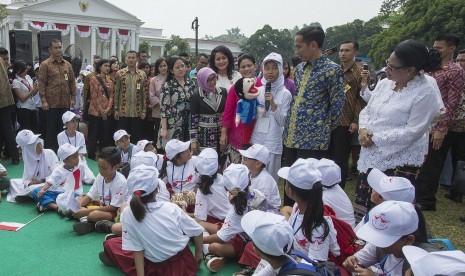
(311,268)
(347,240)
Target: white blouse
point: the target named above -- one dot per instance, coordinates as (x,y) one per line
(19,83)
(398,122)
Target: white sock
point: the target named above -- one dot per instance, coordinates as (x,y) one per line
(205,246)
(83,219)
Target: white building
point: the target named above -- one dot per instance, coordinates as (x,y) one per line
(96,26)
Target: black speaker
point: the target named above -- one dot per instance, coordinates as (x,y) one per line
(43,39)
(21,45)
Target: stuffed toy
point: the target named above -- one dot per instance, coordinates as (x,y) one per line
(247,108)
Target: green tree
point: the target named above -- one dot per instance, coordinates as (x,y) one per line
(3,12)
(232,35)
(144,46)
(176,46)
(267,40)
(297,28)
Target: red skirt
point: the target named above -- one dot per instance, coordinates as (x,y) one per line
(238,244)
(183,263)
(214,220)
(249,257)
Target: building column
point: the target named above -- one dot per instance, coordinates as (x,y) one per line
(128,44)
(137,41)
(8,26)
(118,49)
(162,51)
(24,25)
(72,36)
(93,44)
(113,42)
(133,40)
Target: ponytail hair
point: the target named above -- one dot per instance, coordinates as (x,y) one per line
(139,204)
(421,234)
(240,201)
(206,181)
(163,172)
(314,213)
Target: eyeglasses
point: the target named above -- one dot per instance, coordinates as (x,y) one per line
(210,80)
(392,67)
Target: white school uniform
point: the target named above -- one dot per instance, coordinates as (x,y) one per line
(63,179)
(265,269)
(162,196)
(336,198)
(35,167)
(20,83)
(163,232)
(367,257)
(266,184)
(125,155)
(182,178)
(231,226)
(317,249)
(111,193)
(215,204)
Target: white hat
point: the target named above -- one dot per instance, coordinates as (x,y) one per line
(391,188)
(84,72)
(143,143)
(68,116)
(26,137)
(423,263)
(301,174)
(37,65)
(330,172)
(119,134)
(206,162)
(66,150)
(143,180)
(148,158)
(271,233)
(236,176)
(257,152)
(90,68)
(388,222)
(174,146)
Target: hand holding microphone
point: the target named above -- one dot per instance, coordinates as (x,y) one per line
(267,92)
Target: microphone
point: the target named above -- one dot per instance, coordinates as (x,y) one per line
(267,90)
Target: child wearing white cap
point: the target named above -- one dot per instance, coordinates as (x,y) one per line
(423,263)
(269,128)
(66,177)
(314,233)
(144,248)
(38,165)
(387,188)
(109,190)
(257,158)
(228,242)
(392,225)
(211,203)
(126,148)
(72,136)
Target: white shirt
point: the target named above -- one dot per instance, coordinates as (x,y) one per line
(266,184)
(336,198)
(63,179)
(215,204)
(268,130)
(367,257)
(231,226)
(163,232)
(2,168)
(18,83)
(317,249)
(125,156)
(76,141)
(265,269)
(111,193)
(227,83)
(182,178)
(398,122)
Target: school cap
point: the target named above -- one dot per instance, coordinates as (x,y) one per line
(257,152)
(68,116)
(236,176)
(142,180)
(90,68)
(330,172)
(273,57)
(26,137)
(388,222)
(119,134)
(174,146)
(271,233)
(36,66)
(425,263)
(390,187)
(206,162)
(302,174)
(147,158)
(143,143)
(66,150)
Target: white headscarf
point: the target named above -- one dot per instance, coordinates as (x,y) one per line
(35,166)
(279,83)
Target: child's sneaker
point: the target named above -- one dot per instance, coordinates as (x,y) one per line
(104,226)
(110,236)
(23,199)
(214,264)
(41,208)
(105,259)
(247,271)
(83,228)
(61,213)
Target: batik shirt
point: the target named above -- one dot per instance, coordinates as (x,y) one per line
(317,105)
(130,93)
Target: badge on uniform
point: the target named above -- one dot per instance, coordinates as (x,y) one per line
(66,74)
(347,88)
(138,86)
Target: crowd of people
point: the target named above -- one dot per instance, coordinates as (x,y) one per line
(197,155)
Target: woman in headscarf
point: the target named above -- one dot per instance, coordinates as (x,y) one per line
(207,106)
(38,165)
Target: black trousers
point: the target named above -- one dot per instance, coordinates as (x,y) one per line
(99,131)
(427,183)
(291,155)
(134,127)
(28,119)
(53,127)
(340,149)
(7,130)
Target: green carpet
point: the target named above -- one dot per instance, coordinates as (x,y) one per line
(49,246)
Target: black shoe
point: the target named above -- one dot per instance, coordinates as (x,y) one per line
(444,186)
(104,226)
(105,259)
(23,199)
(462,219)
(15,161)
(454,197)
(426,207)
(83,228)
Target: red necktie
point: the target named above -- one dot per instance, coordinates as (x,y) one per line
(77,178)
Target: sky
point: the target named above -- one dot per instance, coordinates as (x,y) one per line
(216,16)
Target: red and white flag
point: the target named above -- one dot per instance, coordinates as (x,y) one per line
(11,226)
